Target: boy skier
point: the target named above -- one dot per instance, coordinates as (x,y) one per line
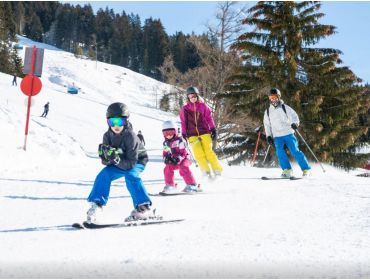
(198,125)
(176,157)
(124,156)
(280,121)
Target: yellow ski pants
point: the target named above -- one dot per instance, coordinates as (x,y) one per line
(204,154)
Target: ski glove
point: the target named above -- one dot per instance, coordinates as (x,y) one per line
(171,160)
(213,134)
(270,140)
(109,155)
(294,126)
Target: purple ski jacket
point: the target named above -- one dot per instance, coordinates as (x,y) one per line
(196,119)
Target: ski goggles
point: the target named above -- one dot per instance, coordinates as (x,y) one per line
(116,121)
(169,132)
(191,96)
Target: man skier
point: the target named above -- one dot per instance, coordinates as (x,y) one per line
(280,121)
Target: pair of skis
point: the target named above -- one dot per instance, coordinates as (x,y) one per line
(281,178)
(176,193)
(86,225)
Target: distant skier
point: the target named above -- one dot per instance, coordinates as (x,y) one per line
(141,137)
(280,121)
(124,156)
(176,157)
(198,125)
(46,110)
(14,83)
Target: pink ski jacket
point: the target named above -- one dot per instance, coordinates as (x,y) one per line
(196,119)
(175,148)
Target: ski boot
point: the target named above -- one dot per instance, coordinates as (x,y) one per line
(191,188)
(217,175)
(306,173)
(142,212)
(207,175)
(287,173)
(170,189)
(92,213)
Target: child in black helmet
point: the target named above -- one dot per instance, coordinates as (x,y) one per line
(124,156)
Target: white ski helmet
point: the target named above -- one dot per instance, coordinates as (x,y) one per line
(276,91)
(169,125)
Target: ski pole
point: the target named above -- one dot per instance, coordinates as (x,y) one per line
(255,149)
(190,153)
(267,152)
(304,141)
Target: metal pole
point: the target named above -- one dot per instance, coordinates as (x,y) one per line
(191,154)
(29,97)
(304,141)
(255,149)
(267,152)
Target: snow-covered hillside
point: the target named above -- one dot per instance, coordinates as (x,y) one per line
(240,226)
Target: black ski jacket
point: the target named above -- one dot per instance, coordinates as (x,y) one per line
(133,150)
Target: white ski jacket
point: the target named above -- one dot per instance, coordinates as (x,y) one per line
(278,123)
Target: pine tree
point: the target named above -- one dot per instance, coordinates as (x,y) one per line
(104,31)
(184,53)
(7,36)
(33,28)
(19,16)
(120,40)
(156,47)
(279,52)
(136,50)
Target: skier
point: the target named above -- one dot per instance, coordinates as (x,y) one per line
(198,125)
(14,80)
(46,110)
(124,156)
(280,122)
(141,137)
(176,157)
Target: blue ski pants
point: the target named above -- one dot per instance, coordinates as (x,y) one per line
(100,191)
(291,142)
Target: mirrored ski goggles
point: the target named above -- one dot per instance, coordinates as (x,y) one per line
(117,121)
(169,132)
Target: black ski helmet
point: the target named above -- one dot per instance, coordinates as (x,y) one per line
(117,109)
(192,90)
(274,91)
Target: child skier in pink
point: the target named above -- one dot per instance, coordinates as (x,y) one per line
(175,157)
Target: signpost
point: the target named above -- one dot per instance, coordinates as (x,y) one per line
(31,84)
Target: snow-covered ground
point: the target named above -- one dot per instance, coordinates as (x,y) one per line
(240,226)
